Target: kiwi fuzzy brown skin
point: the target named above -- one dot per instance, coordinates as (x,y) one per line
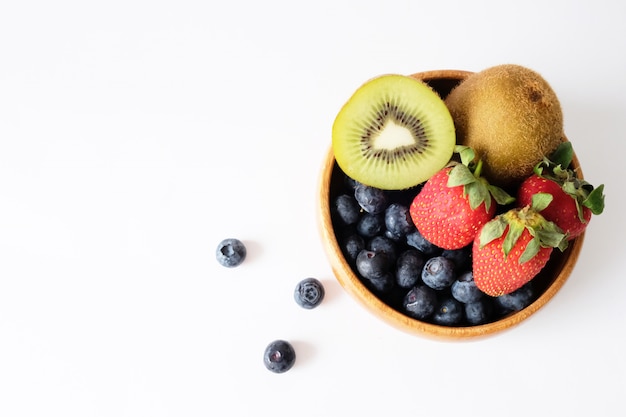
(394,133)
(511,117)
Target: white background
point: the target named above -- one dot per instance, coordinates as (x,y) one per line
(135,135)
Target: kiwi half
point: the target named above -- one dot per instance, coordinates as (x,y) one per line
(395,132)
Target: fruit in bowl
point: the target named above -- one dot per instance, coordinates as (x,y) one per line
(422,231)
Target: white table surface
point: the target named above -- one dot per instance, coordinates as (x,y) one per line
(135,135)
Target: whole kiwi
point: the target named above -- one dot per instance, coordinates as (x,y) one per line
(510,116)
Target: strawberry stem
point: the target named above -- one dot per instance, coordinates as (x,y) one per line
(479,168)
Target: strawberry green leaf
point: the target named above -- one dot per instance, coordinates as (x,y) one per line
(477,193)
(569,187)
(460,175)
(502,197)
(541,200)
(552,238)
(551,227)
(492,230)
(559,173)
(515,231)
(595,200)
(531,250)
(466,153)
(477,189)
(563,155)
(556,166)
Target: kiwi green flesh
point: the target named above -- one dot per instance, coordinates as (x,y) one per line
(395,132)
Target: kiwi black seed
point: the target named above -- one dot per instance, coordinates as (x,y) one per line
(395,132)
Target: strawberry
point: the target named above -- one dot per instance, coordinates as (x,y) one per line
(455,203)
(574,200)
(513,248)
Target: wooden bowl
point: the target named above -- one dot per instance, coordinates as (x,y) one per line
(546,284)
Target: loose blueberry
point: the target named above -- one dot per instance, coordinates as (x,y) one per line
(438,273)
(373,265)
(347,209)
(372,200)
(279,356)
(230,252)
(419,242)
(420,302)
(464,289)
(517,300)
(398,220)
(370,225)
(409,268)
(449,312)
(309,293)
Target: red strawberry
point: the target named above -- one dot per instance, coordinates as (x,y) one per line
(562,210)
(455,203)
(574,200)
(513,248)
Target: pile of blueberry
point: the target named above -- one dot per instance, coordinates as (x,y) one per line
(395,262)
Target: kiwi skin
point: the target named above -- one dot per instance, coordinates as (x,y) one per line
(511,117)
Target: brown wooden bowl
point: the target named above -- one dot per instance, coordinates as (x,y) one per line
(546,284)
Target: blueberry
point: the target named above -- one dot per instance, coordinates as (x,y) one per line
(420,302)
(382,285)
(279,356)
(347,209)
(409,268)
(398,220)
(372,200)
(517,300)
(462,257)
(230,252)
(419,242)
(372,265)
(438,273)
(309,293)
(393,236)
(370,225)
(478,312)
(383,244)
(449,312)
(351,246)
(464,289)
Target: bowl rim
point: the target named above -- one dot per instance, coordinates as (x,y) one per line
(354,287)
